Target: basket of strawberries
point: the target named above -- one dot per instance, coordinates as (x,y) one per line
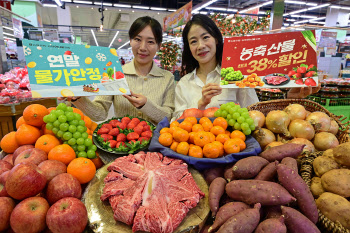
(123,135)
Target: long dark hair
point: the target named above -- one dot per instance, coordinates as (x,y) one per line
(189,63)
(139,24)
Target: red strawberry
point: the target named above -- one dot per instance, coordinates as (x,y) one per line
(108,126)
(291,73)
(138,129)
(103,131)
(132,141)
(112,143)
(121,125)
(297,75)
(120,144)
(146,128)
(310,74)
(126,120)
(106,137)
(143,123)
(131,125)
(310,66)
(301,70)
(114,132)
(299,81)
(114,123)
(132,136)
(310,82)
(147,134)
(121,137)
(141,139)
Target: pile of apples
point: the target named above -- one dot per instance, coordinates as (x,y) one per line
(38,194)
(14,86)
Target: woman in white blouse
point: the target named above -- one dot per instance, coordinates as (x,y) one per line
(201,67)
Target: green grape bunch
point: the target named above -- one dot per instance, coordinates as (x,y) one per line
(236,117)
(229,74)
(70,128)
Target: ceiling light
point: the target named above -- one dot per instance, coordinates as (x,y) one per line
(319,6)
(66,1)
(158,9)
(262,12)
(132,11)
(302,21)
(292,20)
(58,2)
(311,4)
(82,2)
(8,34)
(320,18)
(337,7)
(120,10)
(77,6)
(92,8)
(46,40)
(295,2)
(49,5)
(8,28)
(106,8)
(257,6)
(172,10)
(124,45)
(122,5)
(93,34)
(107,4)
(115,36)
(141,7)
(345,8)
(204,5)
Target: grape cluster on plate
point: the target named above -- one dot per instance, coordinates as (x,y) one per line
(229,74)
(70,128)
(236,117)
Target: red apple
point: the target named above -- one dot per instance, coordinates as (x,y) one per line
(5,166)
(35,156)
(6,207)
(29,216)
(63,185)
(25,180)
(193,112)
(20,150)
(67,215)
(52,168)
(209,112)
(3,178)
(8,158)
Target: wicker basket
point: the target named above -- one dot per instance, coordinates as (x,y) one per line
(307,172)
(311,106)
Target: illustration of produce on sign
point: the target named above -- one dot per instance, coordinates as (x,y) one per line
(57,69)
(280,60)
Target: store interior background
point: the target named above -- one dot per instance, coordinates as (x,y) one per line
(80,22)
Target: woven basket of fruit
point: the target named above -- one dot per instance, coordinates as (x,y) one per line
(205,157)
(123,135)
(321,162)
(311,106)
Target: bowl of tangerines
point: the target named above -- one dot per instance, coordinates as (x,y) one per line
(203,142)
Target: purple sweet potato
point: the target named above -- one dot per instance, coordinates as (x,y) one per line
(272,211)
(228,173)
(249,167)
(216,189)
(291,163)
(227,211)
(212,173)
(258,191)
(243,222)
(293,182)
(279,152)
(296,222)
(272,225)
(268,172)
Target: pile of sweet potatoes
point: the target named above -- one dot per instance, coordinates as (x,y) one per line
(262,194)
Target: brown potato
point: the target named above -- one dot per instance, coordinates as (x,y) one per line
(335,207)
(337,181)
(323,164)
(341,154)
(316,187)
(328,153)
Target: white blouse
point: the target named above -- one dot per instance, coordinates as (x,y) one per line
(188,92)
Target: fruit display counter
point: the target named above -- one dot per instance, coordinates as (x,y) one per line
(239,165)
